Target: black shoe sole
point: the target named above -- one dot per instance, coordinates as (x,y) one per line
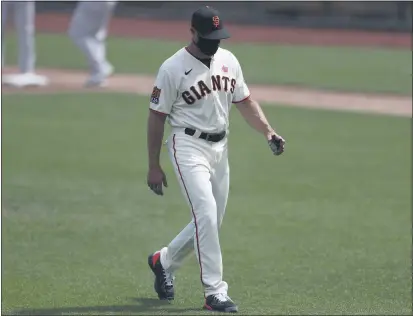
(232,309)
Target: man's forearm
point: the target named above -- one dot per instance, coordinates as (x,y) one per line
(156,126)
(255,117)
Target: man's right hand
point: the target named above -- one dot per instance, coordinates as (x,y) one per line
(156,178)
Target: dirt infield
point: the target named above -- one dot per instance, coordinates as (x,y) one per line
(72,81)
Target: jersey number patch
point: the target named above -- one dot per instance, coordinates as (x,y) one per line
(156,93)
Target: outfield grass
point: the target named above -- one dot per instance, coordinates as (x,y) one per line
(323,229)
(340,68)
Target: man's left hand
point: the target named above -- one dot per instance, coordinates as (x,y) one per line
(276,143)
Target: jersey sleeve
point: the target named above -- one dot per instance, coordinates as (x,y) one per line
(164,92)
(241,91)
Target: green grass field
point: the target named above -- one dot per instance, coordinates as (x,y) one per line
(339,68)
(323,229)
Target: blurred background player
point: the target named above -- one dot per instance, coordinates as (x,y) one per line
(88,30)
(24,21)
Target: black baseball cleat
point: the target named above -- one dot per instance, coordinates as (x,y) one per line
(163,280)
(220,303)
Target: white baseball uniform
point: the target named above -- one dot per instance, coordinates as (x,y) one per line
(197,97)
(88,29)
(24,18)
(24,21)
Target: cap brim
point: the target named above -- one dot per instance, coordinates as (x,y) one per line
(217,35)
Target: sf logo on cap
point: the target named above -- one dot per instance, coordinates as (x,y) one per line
(215,21)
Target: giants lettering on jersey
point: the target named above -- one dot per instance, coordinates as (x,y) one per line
(200,90)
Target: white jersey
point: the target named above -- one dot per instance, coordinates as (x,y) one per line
(198,97)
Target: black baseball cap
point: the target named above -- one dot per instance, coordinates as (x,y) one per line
(208,23)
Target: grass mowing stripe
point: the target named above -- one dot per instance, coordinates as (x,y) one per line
(339,68)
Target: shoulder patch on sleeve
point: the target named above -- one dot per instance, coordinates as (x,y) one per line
(156,93)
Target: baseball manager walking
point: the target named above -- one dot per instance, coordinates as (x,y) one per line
(194,89)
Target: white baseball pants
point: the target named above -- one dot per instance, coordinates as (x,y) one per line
(88,29)
(203,173)
(24,18)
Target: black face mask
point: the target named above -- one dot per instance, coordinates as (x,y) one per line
(208,47)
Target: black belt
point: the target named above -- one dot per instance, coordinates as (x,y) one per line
(215,138)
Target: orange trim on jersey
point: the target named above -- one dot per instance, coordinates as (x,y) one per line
(190,203)
(158,112)
(235,102)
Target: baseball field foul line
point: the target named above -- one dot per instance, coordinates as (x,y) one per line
(65,81)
